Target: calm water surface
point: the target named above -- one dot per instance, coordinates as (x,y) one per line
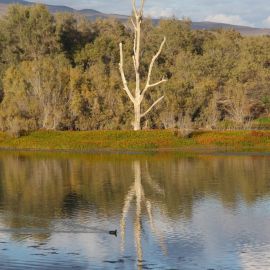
(171,212)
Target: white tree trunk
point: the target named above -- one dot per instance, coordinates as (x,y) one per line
(138,95)
(137,116)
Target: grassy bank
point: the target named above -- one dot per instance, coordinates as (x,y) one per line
(143,140)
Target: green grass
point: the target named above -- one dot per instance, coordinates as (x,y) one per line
(262,123)
(263,120)
(139,141)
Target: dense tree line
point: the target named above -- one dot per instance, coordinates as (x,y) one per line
(61,72)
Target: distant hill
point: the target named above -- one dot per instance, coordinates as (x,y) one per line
(92,14)
(52,8)
(244,30)
(10,2)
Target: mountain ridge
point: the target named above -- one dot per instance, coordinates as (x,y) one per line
(92,14)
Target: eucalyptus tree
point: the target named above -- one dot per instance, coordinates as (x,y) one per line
(139,93)
(28,33)
(36,94)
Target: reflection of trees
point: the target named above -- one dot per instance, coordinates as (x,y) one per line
(39,188)
(49,186)
(226,178)
(137,192)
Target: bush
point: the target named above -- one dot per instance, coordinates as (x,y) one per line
(20,127)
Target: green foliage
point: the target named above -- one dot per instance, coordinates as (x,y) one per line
(73,33)
(28,33)
(61,72)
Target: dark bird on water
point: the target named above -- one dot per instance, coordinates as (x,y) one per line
(113,233)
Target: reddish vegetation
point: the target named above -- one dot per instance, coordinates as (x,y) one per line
(140,140)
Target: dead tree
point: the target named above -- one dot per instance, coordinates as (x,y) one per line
(138,94)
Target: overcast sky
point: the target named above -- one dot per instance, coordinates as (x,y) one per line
(241,12)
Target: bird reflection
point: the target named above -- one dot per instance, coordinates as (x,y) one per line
(136,192)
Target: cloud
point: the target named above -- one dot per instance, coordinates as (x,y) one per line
(243,12)
(266,22)
(156,12)
(229,19)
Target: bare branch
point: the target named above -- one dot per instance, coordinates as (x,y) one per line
(158,83)
(121,68)
(142,7)
(152,85)
(154,104)
(135,42)
(148,85)
(134,62)
(134,25)
(134,8)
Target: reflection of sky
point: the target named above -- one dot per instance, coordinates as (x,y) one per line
(215,237)
(258,259)
(219,238)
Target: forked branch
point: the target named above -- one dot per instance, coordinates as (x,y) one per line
(148,85)
(121,68)
(138,13)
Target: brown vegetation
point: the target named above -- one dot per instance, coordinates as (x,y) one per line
(61,72)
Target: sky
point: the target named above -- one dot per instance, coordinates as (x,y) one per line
(241,12)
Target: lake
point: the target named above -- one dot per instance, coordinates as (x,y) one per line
(170,211)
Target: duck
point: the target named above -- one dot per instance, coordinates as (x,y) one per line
(113,233)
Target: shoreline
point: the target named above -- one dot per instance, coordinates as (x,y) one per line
(142,142)
(191,152)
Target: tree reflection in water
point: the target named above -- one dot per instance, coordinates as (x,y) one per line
(166,196)
(137,193)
